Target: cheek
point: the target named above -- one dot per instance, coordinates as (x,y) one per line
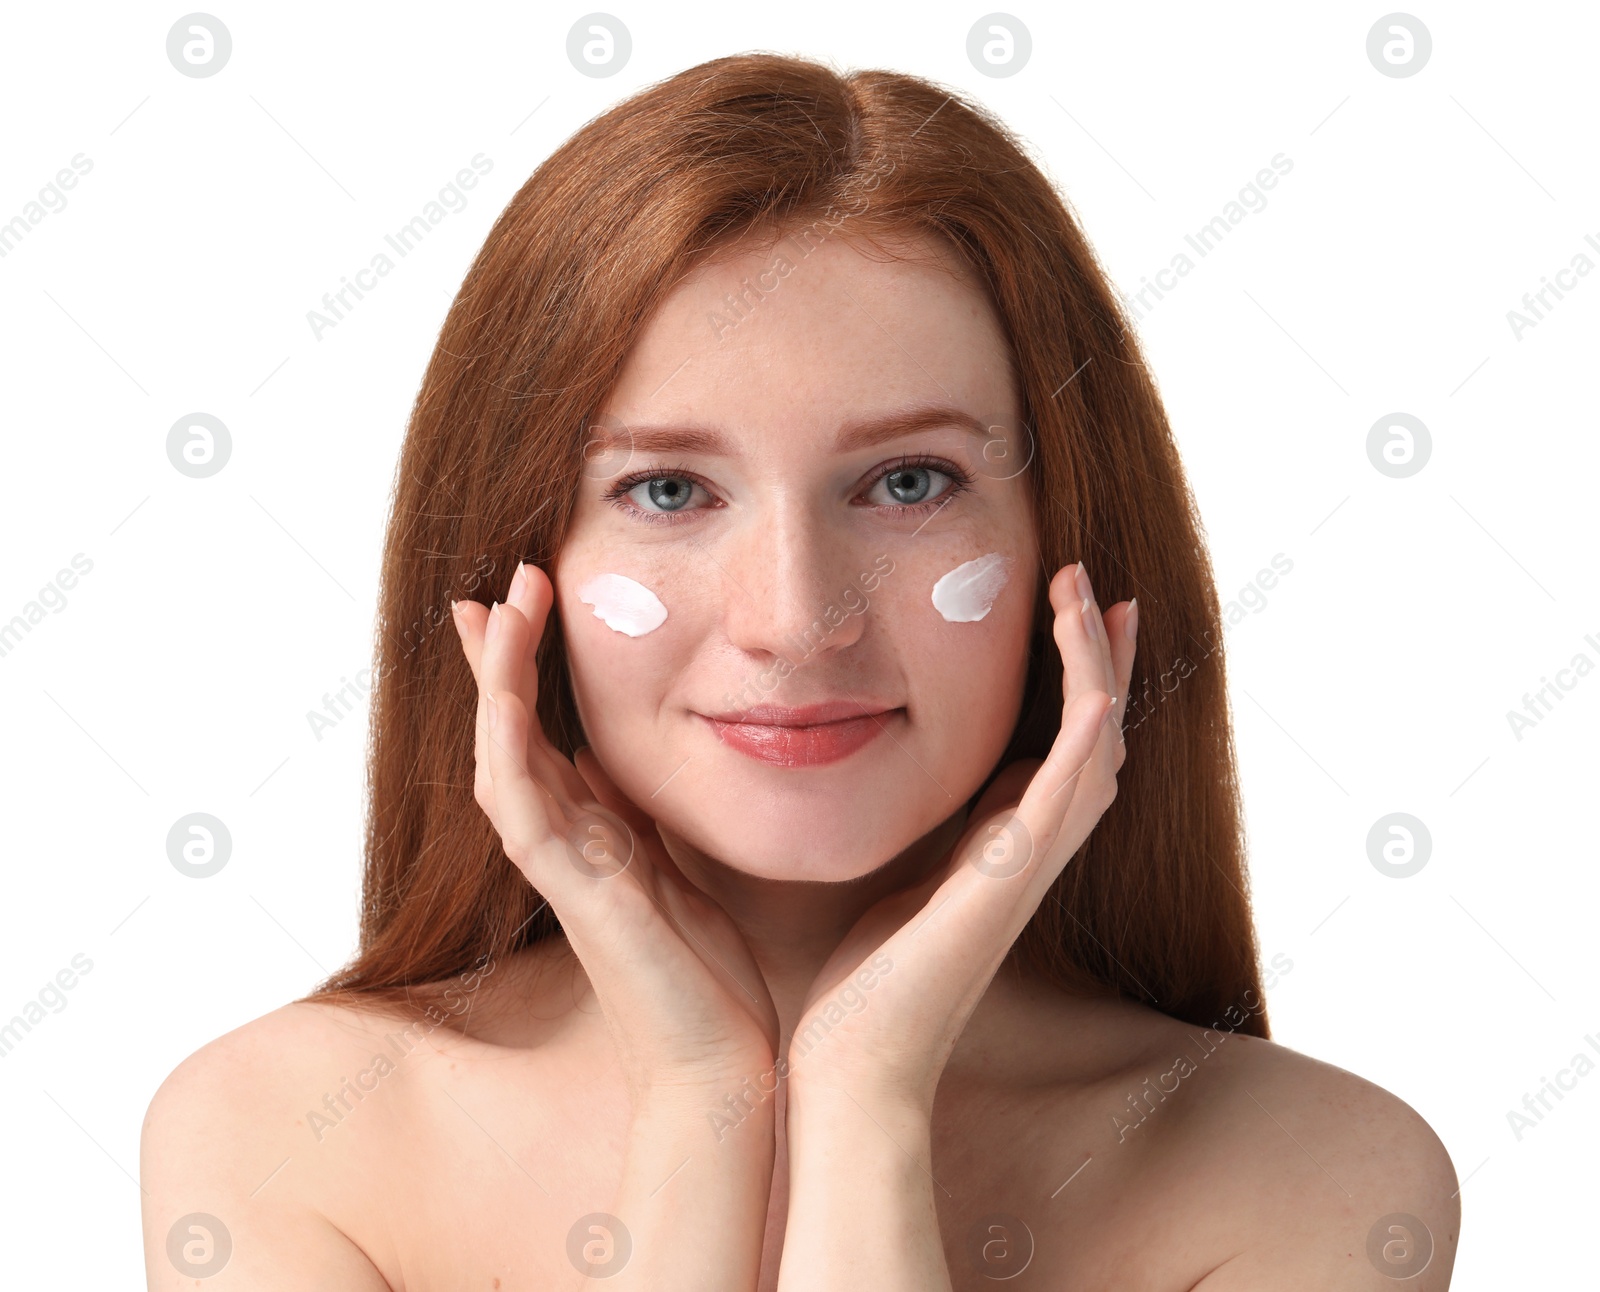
(616,626)
(967,593)
(964,621)
(623,604)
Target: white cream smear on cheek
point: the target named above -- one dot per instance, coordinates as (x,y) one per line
(965,595)
(623,604)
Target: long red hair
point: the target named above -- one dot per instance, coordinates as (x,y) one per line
(1153,907)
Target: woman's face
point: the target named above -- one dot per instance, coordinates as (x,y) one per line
(798,586)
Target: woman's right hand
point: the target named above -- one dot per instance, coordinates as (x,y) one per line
(681,993)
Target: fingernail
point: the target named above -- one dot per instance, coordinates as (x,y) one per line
(519,582)
(494,713)
(494,623)
(1130,625)
(1081,580)
(1087,611)
(1110,709)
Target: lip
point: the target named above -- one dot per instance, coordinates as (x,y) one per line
(812,735)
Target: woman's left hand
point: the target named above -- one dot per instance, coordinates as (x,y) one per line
(911,971)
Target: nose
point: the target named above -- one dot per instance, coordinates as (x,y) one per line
(792,589)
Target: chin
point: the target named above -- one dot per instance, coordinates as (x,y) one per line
(831,836)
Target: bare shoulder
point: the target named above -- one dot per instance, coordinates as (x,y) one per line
(232,1175)
(1322,1178)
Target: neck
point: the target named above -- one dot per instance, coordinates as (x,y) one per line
(793,927)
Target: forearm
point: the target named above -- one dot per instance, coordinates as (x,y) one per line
(861,1195)
(694,1205)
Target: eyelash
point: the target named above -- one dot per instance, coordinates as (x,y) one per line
(960,482)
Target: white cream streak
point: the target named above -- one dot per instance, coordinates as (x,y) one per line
(623,604)
(965,594)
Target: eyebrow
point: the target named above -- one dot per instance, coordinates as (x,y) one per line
(862,434)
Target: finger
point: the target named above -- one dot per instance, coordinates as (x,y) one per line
(503,665)
(532,594)
(528,818)
(1122,623)
(1111,642)
(1078,637)
(605,789)
(1061,783)
(470,617)
(642,824)
(1085,589)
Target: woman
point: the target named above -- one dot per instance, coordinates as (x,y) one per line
(816,923)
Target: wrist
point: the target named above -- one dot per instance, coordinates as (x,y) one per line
(710,1105)
(829,1100)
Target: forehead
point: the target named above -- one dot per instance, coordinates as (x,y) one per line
(800,333)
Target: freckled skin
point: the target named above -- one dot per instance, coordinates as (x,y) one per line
(969,596)
(1264,1168)
(773,535)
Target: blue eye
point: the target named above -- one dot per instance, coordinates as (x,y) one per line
(908,485)
(913,483)
(657,496)
(670,493)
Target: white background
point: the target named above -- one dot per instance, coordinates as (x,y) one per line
(1376,678)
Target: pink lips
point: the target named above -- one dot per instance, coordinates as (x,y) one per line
(810,736)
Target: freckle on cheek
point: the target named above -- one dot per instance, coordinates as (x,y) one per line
(965,595)
(623,604)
